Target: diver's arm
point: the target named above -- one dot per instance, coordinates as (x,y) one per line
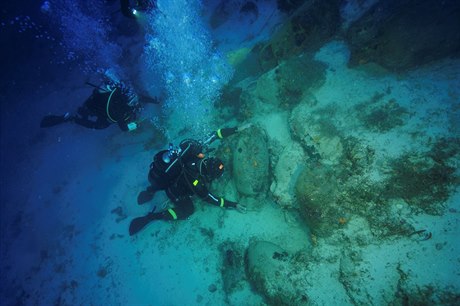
(218,201)
(225,132)
(202,191)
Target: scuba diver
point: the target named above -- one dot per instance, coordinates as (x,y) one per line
(129,8)
(182,172)
(113,103)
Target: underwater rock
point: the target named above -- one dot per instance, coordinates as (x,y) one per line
(260,95)
(250,162)
(309,26)
(289,165)
(269,269)
(296,76)
(317,192)
(316,132)
(400,35)
(246,64)
(335,183)
(230,102)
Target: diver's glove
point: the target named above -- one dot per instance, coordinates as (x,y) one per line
(244,127)
(228,204)
(241,208)
(132,126)
(234,205)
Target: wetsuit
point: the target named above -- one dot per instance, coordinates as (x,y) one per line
(108,107)
(184,179)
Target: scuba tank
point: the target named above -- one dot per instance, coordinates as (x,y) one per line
(167,164)
(170,153)
(163,163)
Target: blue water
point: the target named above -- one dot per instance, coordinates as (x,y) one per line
(68,193)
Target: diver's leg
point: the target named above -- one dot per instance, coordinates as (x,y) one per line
(157,182)
(183,208)
(83,111)
(82,117)
(101,123)
(85,122)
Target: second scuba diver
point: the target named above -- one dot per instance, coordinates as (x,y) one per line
(112,103)
(183,172)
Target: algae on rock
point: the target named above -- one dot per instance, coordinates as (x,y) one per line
(297,76)
(316,132)
(317,192)
(421,181)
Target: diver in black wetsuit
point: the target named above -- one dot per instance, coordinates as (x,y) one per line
(182,173)
(114,103)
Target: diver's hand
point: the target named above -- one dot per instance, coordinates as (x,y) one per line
(244,126)
(241,208)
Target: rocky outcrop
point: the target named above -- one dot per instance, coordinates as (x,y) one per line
(283,87)
(297,77)
(317,193)
(251,162)
(290,163)
(400,35)
(309,26)
(316,132)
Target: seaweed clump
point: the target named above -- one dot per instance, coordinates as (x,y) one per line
(384,117)
(424,181)
(429,294)
(328,195)
(233,266)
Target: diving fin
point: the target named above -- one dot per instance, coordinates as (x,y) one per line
(137,224)
(52,120)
